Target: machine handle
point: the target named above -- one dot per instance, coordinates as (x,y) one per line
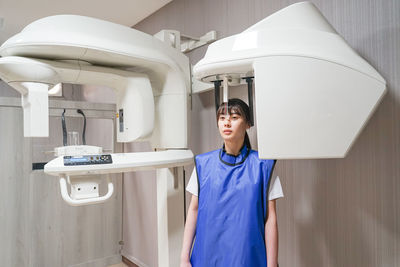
(87,201)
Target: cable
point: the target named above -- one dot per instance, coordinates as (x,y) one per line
(84,126)
(64,128)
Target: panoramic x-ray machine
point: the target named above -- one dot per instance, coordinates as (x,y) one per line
(151,80)
(313,93)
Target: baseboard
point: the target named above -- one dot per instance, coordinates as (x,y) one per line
(133,261)
(115,259)
(128,262)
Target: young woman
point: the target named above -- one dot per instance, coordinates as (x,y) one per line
(232,213)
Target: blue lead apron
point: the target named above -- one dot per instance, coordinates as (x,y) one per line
(233,206)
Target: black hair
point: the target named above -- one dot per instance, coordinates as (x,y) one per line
(237,106)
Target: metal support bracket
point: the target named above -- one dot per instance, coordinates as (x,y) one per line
(189,43)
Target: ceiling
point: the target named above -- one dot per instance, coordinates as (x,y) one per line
(16,14)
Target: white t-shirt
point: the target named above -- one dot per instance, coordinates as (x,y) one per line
(275,188)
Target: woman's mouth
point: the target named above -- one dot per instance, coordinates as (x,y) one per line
(227,131)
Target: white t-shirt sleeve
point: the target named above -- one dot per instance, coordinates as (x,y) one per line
(192,184)
(275,189)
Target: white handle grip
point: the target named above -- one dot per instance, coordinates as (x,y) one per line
(87,201)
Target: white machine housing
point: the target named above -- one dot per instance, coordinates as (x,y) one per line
(151,79)
(313,92)
(152,83)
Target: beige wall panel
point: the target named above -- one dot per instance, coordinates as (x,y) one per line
(339,212)
(37,227)
(14,190)
(140,213)
(62,235)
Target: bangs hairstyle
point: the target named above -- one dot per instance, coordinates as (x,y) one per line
(237,106)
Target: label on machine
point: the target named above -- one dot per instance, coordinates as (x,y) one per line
(87,160)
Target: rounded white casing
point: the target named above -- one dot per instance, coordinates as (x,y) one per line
(73,48)
(313,92)
(151,80)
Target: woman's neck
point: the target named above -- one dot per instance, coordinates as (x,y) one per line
(233,148)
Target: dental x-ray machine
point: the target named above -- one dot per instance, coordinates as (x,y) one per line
(313,92)
(151,80)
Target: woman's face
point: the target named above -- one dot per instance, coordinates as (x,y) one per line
(232,127)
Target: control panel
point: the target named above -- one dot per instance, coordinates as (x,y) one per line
(87,160)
